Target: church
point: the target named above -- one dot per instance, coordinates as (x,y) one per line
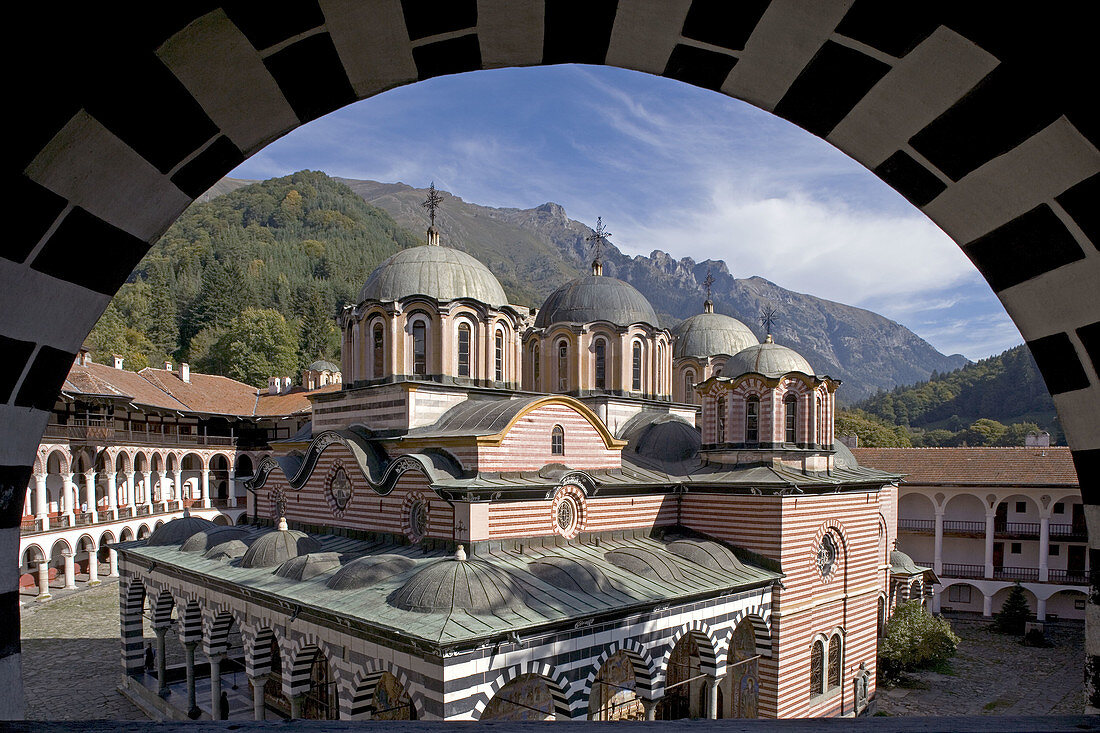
(507,513)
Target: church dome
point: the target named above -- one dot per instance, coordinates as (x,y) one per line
(457,584)
(276,547)
(711,334)
(322,365)
(363,572)
(596,298)
(438,272)
(203,540)
(179,530)
(769,359)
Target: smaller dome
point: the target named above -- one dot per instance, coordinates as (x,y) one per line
(711,334)
(450,585)
(900,563)
(646,563)
(665,438)
(596,298)
(363,572)
(178,530)
(205,539)
(570,574)
(308,566)
(707,553)
(276,547)
(769,359)
(226,551)
(322,366)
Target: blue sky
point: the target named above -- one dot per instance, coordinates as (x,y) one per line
(671,167)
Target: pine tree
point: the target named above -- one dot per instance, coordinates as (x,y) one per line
(1015,612)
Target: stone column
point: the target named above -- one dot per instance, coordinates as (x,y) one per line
(295,707)
(93,567)
(41,505)
(1041,609)
(70,495)
(232,488)
(43,581)
(129,488)
(1044,549)
(112,562)
(259,709)
(70,571)
(712,697)
(149,490)
(215,684)
(937,563)
(206,488)
(112,495)
(89,493)
(165,493)
(987,605)
(162,665)
(650,707)
(189,659)
(989,516)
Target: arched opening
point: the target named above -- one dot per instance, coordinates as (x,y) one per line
(498,356)
(721,415)
(465,339)
(391,701)
(191,466)
(219,479)
(562,371)
(614,693)
(600,366)
(743,673)
(790,418)
(557,441)
(244,468)
(685,683)
(1066,604)
(527,697)
(752,419)
(378,351)
(144,532)
(319,702)
(419,331)
(636,367)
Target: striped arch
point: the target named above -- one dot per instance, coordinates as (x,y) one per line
(296,678)
(558,684)
(645,673)
(131,598)
(190,617)
(761,632)
(708,652)
(257,651)
(364,685)
(162,606)
(216,638)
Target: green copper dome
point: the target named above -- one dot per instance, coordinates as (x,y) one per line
(769,359)
(596,298)
(711,334)
(475,586)
(438,272)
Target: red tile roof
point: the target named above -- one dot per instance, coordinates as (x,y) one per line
(975,466)
(205,393)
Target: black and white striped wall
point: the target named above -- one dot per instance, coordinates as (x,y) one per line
(121,116)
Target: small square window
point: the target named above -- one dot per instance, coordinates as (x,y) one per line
(1059,508)
(959,594)
(1079,604)
(1017,548)
(1055,549)
(1021,507)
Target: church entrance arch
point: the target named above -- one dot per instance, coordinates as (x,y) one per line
(614,694)
(685,681)
(527,697)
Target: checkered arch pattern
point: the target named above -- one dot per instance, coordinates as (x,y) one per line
(982,120)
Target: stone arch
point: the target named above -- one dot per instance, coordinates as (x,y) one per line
(691,656)
(310,656)
(974,600)
(708,649)
(190,619)
(217,628)
(645,672)
(761,631)
(32,553)
(557,685)
(131,607)
(143,531)
(364,688)
(126,535)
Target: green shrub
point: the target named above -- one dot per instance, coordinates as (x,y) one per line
(1015,612)
(915,639)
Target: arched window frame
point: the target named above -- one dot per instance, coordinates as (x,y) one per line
(561,351)
(536,367)
(817,667)
(464,353)
(599,372)
(498,354)
(420,354)
(752,418)
(720,417)
(636,366)
(378,348)
(835,661)
(689,386)
(557,441)
(790,418)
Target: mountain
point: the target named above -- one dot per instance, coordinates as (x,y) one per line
(533,251)
(1007,388)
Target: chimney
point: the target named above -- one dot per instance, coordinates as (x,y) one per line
(83,357)
(1037,440)
(117,361)
(273,385)
(167,366)
(185,372)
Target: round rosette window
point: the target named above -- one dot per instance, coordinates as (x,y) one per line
(567,512)
(418,520)
(828,552)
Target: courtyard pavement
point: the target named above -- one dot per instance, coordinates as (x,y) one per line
(71,667)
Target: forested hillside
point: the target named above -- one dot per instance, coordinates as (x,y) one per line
(247,284)
(995,401)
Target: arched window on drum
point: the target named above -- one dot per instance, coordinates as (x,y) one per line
(557,441)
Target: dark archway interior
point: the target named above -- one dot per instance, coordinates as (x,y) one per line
(981,118)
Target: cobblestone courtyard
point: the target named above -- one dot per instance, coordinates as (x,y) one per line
(71,668)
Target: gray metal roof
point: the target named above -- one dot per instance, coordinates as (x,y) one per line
(475,416)
(175,531)
(596,298)
(275,548)
(438,272)
(661,438)
(541,600)
(769,359)
(323,366)
(711,334)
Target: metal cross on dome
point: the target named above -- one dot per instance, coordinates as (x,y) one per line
(599,236)
(768,317)
(708,282)
(432,202)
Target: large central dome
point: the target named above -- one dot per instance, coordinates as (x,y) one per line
(596,298)
(437,272)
